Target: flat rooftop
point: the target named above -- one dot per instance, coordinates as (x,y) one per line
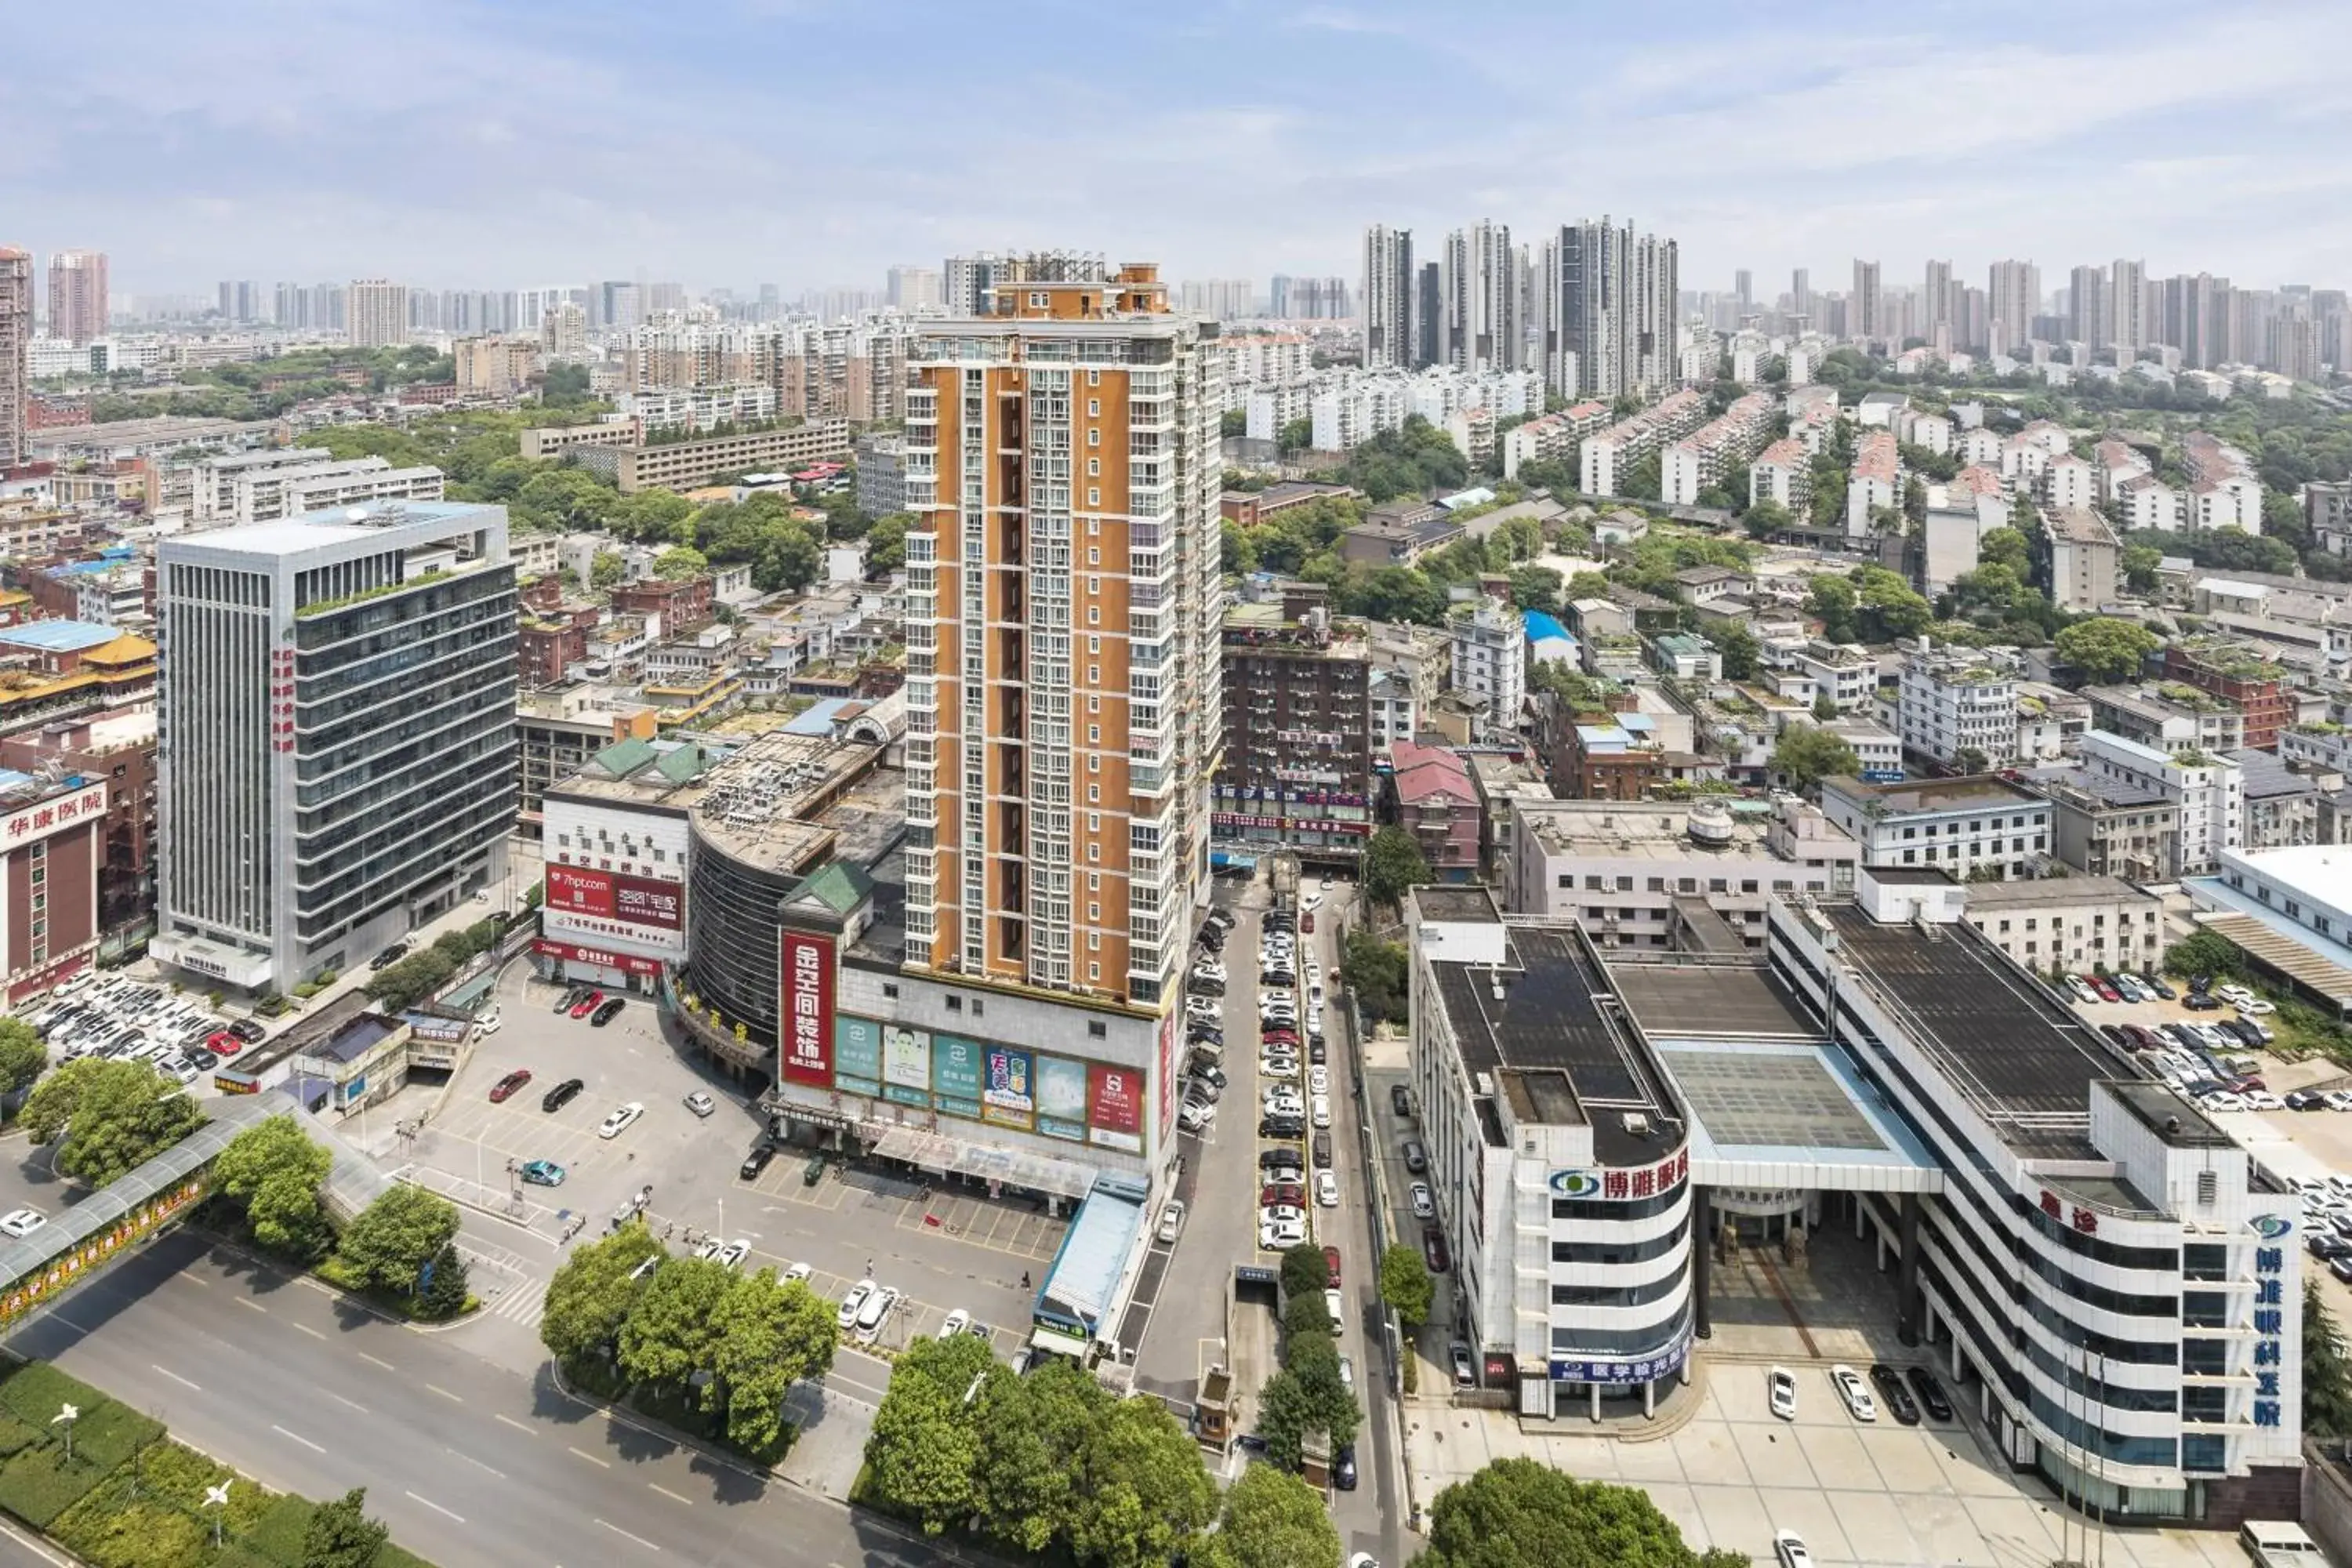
(1639,830)
(1976,793)
(762,805)
(2101,788)
(1544,1044)
(2023,1061)
(2050,892)
(1693,1000)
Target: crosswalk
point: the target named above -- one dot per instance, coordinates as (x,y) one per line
(522,1302)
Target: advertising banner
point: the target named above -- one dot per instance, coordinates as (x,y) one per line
(579,891)
(955,1076)
(858,1056)
(1167,1078)
(645,902)
(1006,1098)
(907,1065)
(1062,1098)
(1115,1108)
(804,1007)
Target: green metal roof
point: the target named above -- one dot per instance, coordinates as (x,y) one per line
(838,885)
(623,758)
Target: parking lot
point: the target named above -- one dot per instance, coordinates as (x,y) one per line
(117,1016)
(944,1249)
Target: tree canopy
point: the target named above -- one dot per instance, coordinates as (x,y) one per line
(590,1297)
(2107,649)
(1806,755)
(1516,1514)
(390,1242)
(1393,862)
(111,1116)
(274,1170)
(21,1055)
(1406,1285)
(1272,1520)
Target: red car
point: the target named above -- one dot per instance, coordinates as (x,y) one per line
(1331,1262)
(509,1084)
(2107,993)
(1433,1248)
(221,1043)
(1287,1195)
(586,1005)
(1279,1036)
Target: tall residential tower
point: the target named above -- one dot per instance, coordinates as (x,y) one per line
(78,295)
(16,342)
(1387,295)
(1064,696)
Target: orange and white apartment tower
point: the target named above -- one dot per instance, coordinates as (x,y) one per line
(1063,700)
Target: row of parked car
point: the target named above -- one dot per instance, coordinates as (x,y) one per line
(122,1019)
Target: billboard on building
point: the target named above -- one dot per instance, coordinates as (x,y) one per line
(1115,1108)
(804,1007)
(612,905)
(858,1056)
(907,1065)
(955,1076)
(1007,1096)
(1062,1098)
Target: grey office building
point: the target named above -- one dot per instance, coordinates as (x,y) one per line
(337,758)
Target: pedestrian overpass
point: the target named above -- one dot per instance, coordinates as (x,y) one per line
(36,1269)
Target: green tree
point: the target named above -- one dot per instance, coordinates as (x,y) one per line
(446,1291)
(1375,972)
(1233,422)
(1307,1312)
(1305,1271)
(2326,1375)
(286,1216)
(1806,755)
(1971,761)
(1406,1285)
(1765,519)
(886,542)
(565,499)
(924,1444)
(21,1055)
(681,564)
(1330,1405)
(274,1170)
(1517,1511)
(2003,547)
(341,1535)
(650,517)
(1272,1520)
(771,1335)
(606,568)
(590,1297)
(791,559)
(1032,1432)
(1825,708)
(1739,649)
(1143,1495)
(1831,600)
(2207,952)
(1889,608)
(2105,648)
(672,1330)
(111,1116)
(389,1244)
(1393,862)
(2139,565)
(1295,435)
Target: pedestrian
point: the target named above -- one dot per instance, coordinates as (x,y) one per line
(1025,1279)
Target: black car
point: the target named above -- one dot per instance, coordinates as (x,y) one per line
(1898,1399)
(1930,1392)
(245,1029)
(201,1058)
(756,1160)
(1433,1250)
(1322,1146)
(2322,1246)
(1222,919)
(2115,1033)
(1209,1032)
(2156,984)
(2341,1266)
(1316,1052)
(609,1011)
(561,1095)
(389,956)
(1400,1100)
(1416,1159)
(1343,1467)
(1253,1443)
(1268,1159)
(2200,1002)
(1214,1075)
(2303,1099)
(1281,1126)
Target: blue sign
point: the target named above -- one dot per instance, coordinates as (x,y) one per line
(1576,1184)
(2270,1227)
(1622,1372)
(1882,775)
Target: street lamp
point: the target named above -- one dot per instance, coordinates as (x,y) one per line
(68,1414)
(218,1497)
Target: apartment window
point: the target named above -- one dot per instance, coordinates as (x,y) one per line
(1094,466)
(1093,675)
(1910,856)
(1094,614)
(1094,911)
(1094,495)
(1657,884)
(1094,972)
(1094,852)
(1097,1029)
(1036,301)
(1094,408)
(1094,555)
(1624,884)
(1094,378)
(891,989)
(1718,884)
(2004,928)
(1093,791)
(1567,879)
(1094,881)
(1094,438)
(955,1003)
(1094,733)
(1749,886)
(1913,832)
(1093,704)
(1094,822)
(1592,884)
(1094,764)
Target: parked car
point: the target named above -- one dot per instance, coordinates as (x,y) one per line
(1854,1392)
(1930,1393)
(1424,1204)
(1433,1250)
(621,1119)
(505,1087)
(587,1005)
(1898,1400)
(1400,1100)
(542,1172)
(1171,1220)
(607,1011)
(1465,1367)
(700,1102)
(1326,1189)
(756,1160)
(1781,1389)
(388,957)
(853,1304)
(1343,1466)
(225,1042)
(22,1223)
(1788,1550)
(561,1095)
(958,1321)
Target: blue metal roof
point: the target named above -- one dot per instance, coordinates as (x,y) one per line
(1542,627)
(1094,1254)
(818,719)
(58,636)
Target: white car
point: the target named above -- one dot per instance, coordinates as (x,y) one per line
(874,1314)
(2337,1100)
(958,1322)
(1348,1372)
(1363,1560)
(1282,1101)
(732,1254)
(1310,900)
(700,1103)
(1424,1205)
(1276,1236)
(2257,1006)
(1171,1220)
(854,1303)
(797,1271)
(1206,1008)
(1854,1392)
(2262,1100)
(1781,1384)
(21,1222)
(620,1121)
(1277,1067)
(1326,1189)
(485,1028)
(1788,1550)
(1208,969)
(1318,1078)
(1320,1109)
(2233,992)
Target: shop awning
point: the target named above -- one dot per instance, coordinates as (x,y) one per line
(985,1162)
(1071,1345)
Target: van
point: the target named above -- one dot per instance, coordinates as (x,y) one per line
(2276,1544)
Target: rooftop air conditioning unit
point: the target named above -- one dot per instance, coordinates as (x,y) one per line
(1637,1124)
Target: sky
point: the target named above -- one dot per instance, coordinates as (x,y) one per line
(813,143)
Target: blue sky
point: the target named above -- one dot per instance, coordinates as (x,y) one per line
(504,143)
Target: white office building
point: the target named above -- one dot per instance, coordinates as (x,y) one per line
(1951,700)
(337,718)
(1490,659)
(1955,826)
(2210,792)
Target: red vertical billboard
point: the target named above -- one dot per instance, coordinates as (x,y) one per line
(1115,1106)
(804,1008)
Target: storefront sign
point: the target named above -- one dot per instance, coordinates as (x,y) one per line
(1115,1108)
(1621,1372)
(804,1007)
(630,901)
(956,1076)
(1613,1186)
(2270,1320)
(1006,1097)
(41,820)
(1062,1098)
(858,1056)
(601,958)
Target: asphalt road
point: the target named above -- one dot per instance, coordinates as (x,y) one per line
(469,1464)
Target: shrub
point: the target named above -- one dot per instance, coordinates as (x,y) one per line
(37,1485)
(278,1538)
(33,1392)
(111,1528)
(109,1435)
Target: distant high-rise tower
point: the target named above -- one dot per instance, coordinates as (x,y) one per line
(2014,298)
(377,312)
(1800,292)
(1936,299)
(2087,319)
(1429,315)
(1611,315)
(16,342)
(1743,285)
(1388,285)
(78,295)
(1865,308)
(2126,307)
(1063,612)
(913,288)
(1482,298)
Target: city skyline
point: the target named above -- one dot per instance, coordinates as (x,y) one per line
(1801,145)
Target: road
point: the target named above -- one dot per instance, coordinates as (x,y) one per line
(468,1463)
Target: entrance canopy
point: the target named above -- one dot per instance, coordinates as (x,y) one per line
(985,1162)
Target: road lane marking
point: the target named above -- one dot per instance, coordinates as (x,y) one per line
(339,1399)
(437,1508)
(194,1279)
(669,1494)
(298,1438)
(626,1536)
(518,1425)
(453,1398)
(375,1361)
(310,1330)
(592,1459)
(479,1465)
(250,1305)
(175,1377)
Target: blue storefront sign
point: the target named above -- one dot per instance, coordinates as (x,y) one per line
(1618,1372)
